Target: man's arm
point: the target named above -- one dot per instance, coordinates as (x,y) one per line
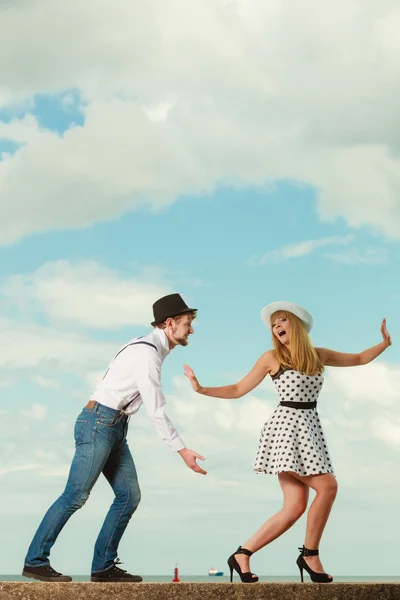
(148,378)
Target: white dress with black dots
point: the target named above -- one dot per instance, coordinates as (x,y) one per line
(292,439)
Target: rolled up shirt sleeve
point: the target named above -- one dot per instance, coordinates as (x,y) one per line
(148,377)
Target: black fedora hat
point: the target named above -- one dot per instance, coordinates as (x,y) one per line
(169,306)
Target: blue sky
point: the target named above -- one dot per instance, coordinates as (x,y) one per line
(123,179)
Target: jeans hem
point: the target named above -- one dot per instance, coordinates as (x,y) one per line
(102,570)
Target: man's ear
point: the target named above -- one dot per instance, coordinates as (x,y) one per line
(169,322)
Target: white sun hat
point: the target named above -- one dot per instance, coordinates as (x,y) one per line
(295,309)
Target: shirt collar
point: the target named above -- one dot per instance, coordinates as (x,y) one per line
(160,334)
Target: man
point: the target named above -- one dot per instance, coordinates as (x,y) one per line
(133,378)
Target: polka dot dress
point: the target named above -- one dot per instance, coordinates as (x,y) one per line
(292,439)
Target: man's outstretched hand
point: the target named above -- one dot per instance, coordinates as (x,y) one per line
(189,456)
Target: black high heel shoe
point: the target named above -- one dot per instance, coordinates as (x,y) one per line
(314,576)
(233,564)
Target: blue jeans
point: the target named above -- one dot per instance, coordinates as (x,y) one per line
(101,447)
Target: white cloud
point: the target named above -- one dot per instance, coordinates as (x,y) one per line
(240,93)
(374,385)
(25,346)
(36,412)
(387,429)
(370,256)
(57,471)
(93,377)
(18,467)
(6,381)
(86,294)
(45,382)
(22,131)
(71,297)
(300,249)
(159,112)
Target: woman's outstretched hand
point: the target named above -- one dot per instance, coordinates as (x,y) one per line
(385,334)
(192,378)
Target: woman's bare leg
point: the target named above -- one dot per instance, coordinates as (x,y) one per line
(325,487)
(295,498)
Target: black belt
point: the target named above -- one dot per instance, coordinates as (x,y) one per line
(307,405)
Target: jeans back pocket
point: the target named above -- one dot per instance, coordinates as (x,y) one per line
(79,430)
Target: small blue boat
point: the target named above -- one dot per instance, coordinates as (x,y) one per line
(213,571)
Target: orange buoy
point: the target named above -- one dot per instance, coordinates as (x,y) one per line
(176,575)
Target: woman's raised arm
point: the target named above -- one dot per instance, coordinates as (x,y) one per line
(330,358)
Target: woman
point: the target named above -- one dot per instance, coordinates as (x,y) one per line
(292,443)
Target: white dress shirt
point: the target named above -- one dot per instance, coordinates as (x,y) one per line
(133,378)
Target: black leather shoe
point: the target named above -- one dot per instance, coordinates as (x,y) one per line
(45,573)
(115,575)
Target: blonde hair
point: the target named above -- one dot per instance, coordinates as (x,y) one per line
(301,356)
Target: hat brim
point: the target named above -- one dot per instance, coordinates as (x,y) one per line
(295,309)
(182,312)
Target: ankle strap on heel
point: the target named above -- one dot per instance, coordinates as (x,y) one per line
(307,552)
(241,550)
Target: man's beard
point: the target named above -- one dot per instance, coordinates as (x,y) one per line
(183,341)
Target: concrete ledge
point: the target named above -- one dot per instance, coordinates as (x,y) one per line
(198,591)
